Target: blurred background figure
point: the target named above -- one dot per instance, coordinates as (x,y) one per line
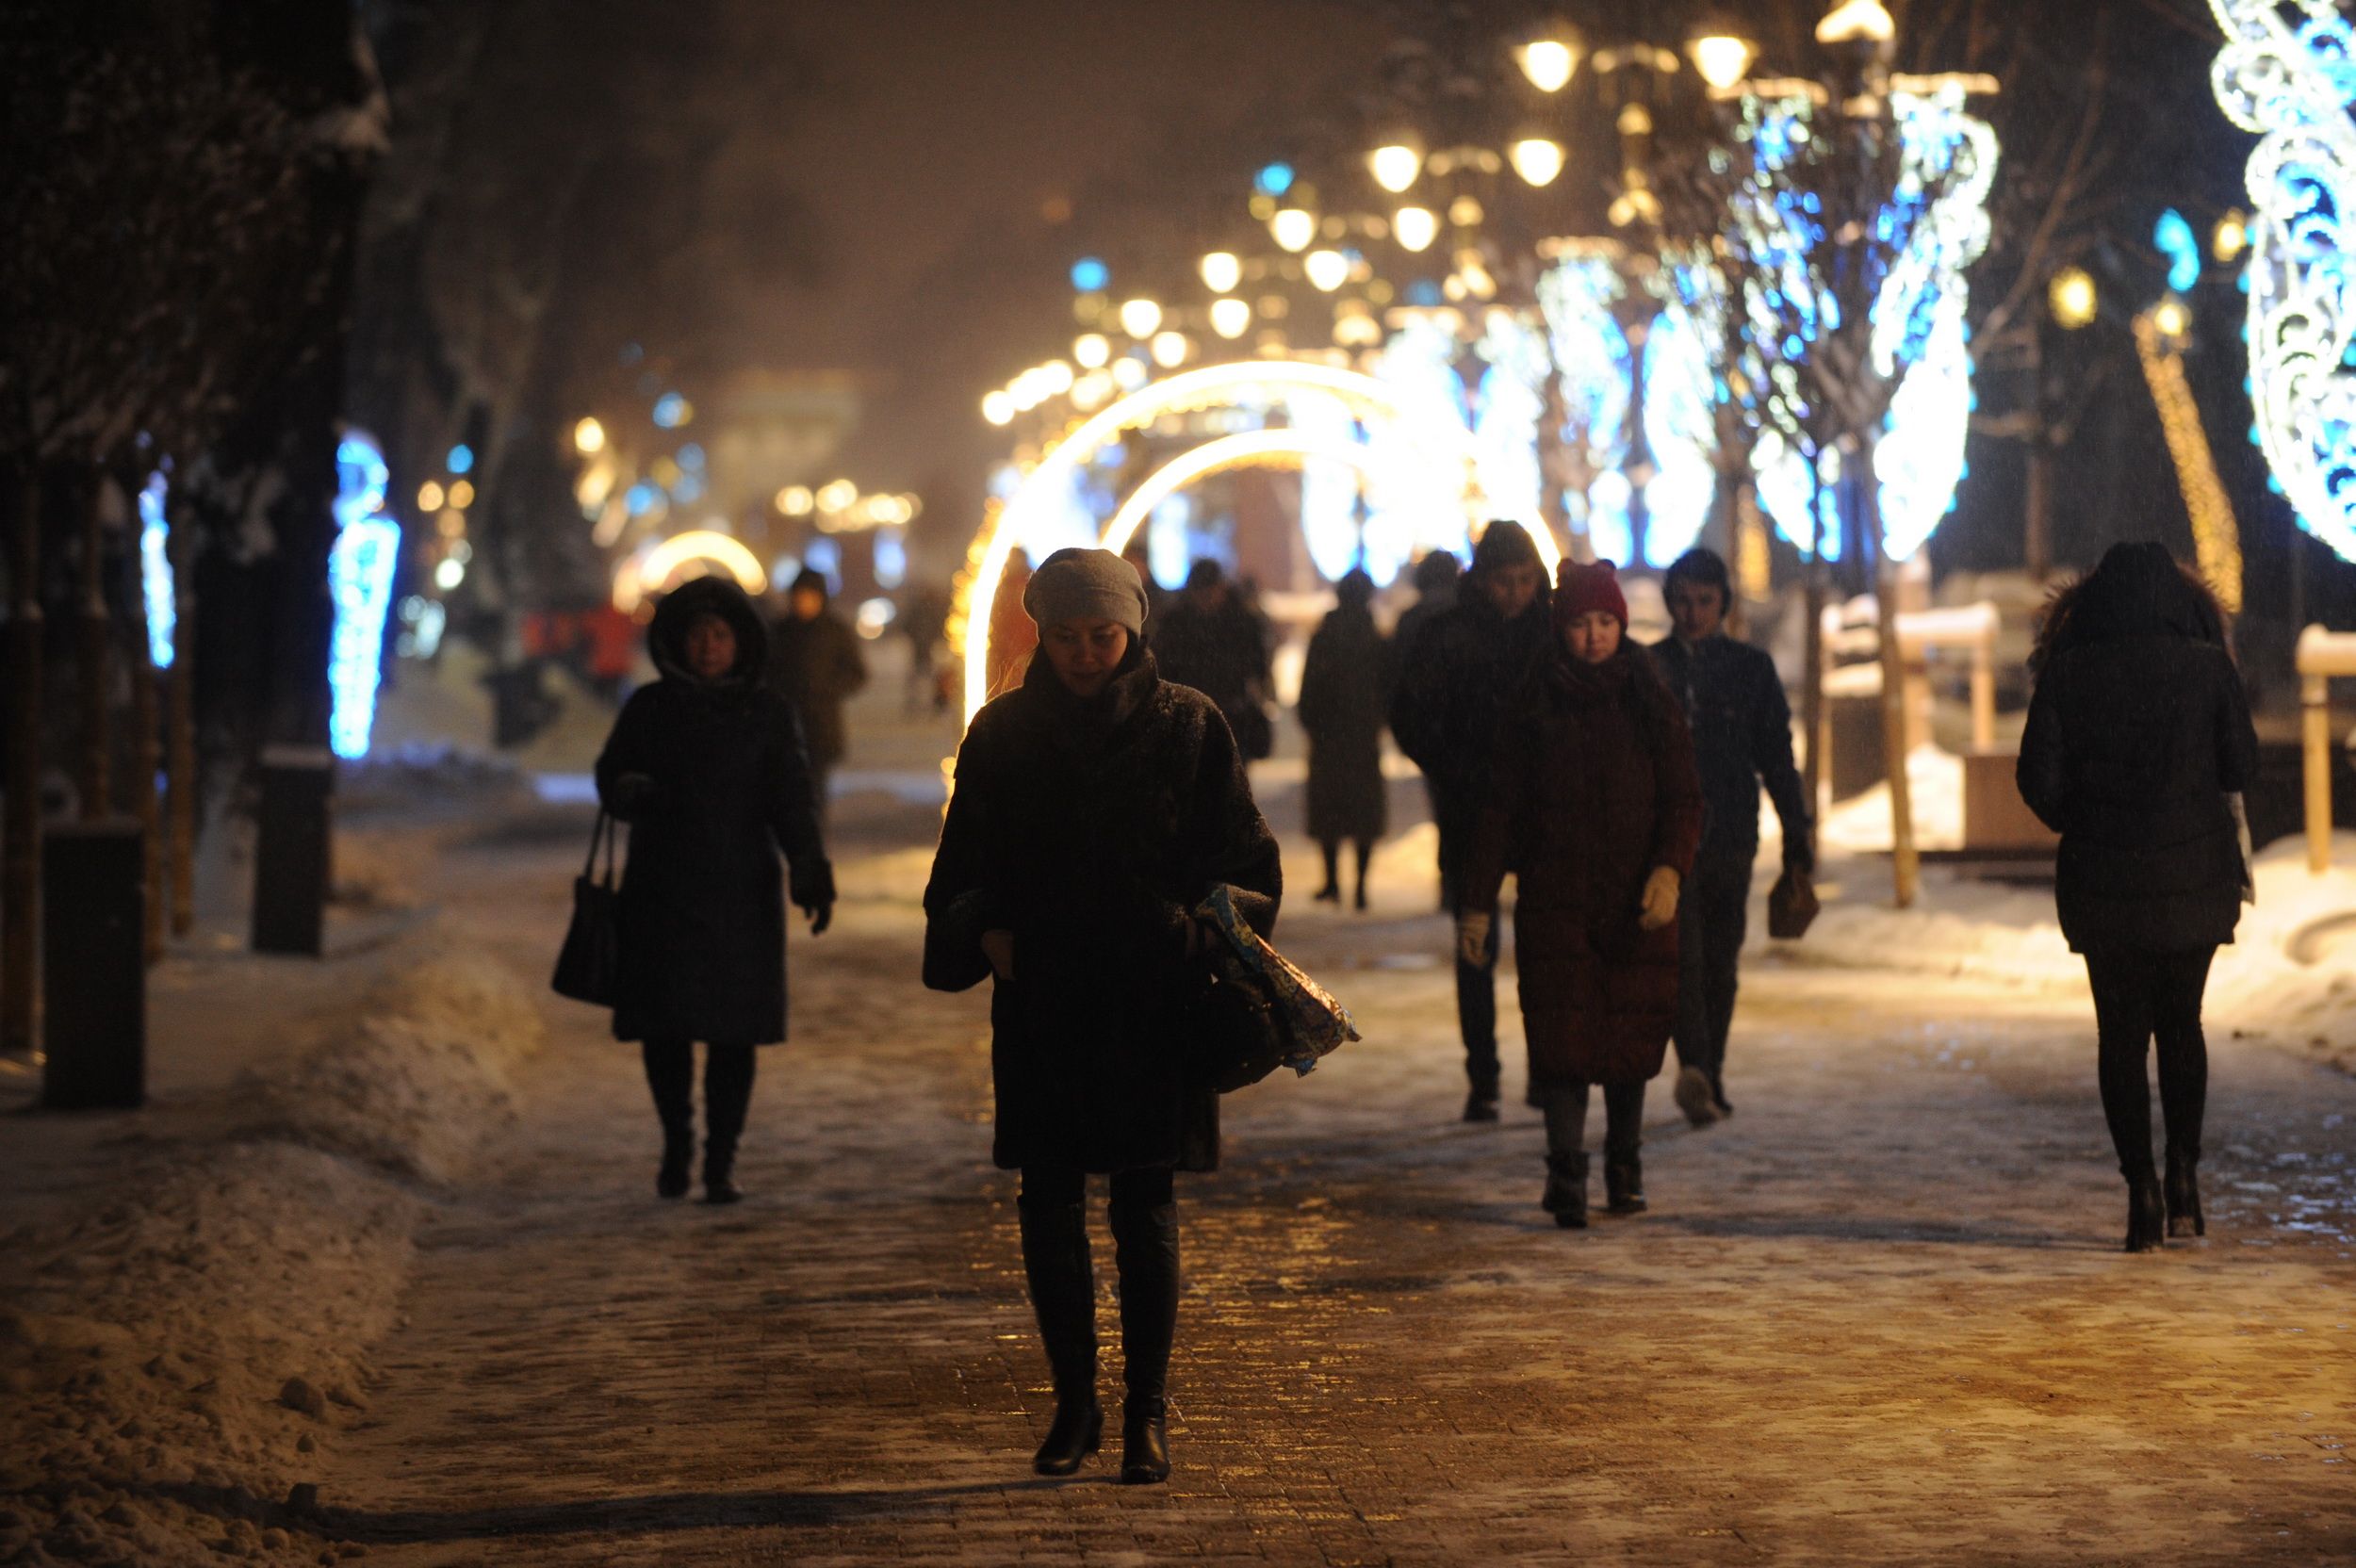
(1211,640)
(1156,597)
(1013,635)
(924,622)
(815,663)
(1342,698)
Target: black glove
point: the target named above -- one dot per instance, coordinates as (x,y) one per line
(813,894)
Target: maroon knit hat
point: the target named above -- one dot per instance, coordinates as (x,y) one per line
(1581,588)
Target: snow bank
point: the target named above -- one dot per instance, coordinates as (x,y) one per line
(172,1357)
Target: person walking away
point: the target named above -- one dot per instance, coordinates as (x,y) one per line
(1341,710)
(1445,715)
(1741,726)
(1012,637)
(815,662)
(708,768)
(1209,639)
(1094,808)
(1598,811)
(2138,731)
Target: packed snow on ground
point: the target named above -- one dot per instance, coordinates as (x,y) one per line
(175,1355)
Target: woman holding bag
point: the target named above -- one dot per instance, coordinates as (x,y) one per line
(1095,806)
(1595,805)
(2138,733)
(707,766)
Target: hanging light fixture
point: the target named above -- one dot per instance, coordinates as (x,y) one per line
(1294,228)
(1396,163)
(1537,159)
(1328,269)
(1550,56)
(1221,271)
(1415,228)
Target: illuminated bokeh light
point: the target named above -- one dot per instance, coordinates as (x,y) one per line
(155,581)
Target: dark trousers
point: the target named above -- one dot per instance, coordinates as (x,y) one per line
(1623,1119)
(728,1094)
(1713,912)
(1476,983)
(1061,1274)
(2139,997)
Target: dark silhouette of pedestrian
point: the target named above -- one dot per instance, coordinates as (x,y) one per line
(1597,812)
(2138,733)
(708,768)
(1095,806)
(815,662)
(1742,724)
(1211,640)
(1342,698)
(1465,665)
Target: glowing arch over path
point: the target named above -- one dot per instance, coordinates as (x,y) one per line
(1448,450)
(651,569)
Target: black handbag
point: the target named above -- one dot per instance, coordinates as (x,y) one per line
(589,966)
(1233,1033)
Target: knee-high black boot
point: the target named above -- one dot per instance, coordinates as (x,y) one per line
(671,1076)
(1063,1292)
(727,1095)
(1623,1135)
(1145,1243)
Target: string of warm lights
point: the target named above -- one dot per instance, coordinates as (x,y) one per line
(2215,535)
(2293,88)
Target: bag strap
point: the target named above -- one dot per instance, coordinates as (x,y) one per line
(604,832)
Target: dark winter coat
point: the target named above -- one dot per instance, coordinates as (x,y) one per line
(2137,731)
(712,779)
(1594,789)
(817,665)
(1089,830)
(1741,726)
(1222,652)
(1466,665)
(1341,709)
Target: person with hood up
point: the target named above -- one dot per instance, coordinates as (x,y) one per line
(1451,694)
(1741,726)
(815,662)
(707,766)
(1341,710)
(1209,638)
(1095,806)
(1597,809)
(2138,733)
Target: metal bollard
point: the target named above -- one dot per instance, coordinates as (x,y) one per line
(94,966)
(290,852)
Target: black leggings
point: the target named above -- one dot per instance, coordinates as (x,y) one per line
(2139,996)
(1146,1187)
(728,1091)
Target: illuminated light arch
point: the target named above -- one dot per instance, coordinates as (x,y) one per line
(2291,85)
(651,569)
(1447,447)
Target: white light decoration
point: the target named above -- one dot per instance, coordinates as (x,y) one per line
(1598,376)
(1394,167)
(1681,432)
(1537,159)
(652,567)
(155,581)
(1723,58)
(1093,351)
(1230,318)
(1327,269)
(2292,85)
(360,585)
(1415,228)
(1169,349)
(998,408)
(1294,228)
(1140,318)
(1511,401)
(1221,271)
(1549,63)
(1328,484)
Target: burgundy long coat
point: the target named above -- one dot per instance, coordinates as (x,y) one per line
(1594,788)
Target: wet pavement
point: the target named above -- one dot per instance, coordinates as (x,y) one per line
(1878,1317)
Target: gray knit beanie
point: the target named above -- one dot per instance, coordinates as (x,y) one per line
(1086,585)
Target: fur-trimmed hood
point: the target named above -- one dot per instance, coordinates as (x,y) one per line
(2139,590)
(666,639)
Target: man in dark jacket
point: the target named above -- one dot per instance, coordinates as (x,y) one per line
(1209,639)
(1741,736)
(815,663)
(1466,665)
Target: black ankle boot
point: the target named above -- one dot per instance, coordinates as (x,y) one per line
(2147,1214)
(678,1147)
(1145,1439)
(1062,1278)
(2182,1195)
(1623,1184)
(1565,1197)
(1145,1241)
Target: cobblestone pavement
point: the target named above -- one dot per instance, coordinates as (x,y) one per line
(1879,1317)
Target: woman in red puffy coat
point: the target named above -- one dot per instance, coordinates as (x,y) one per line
(1597,810)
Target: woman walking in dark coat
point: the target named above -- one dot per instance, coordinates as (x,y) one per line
(2138,731)
(1095,806)
(1597,808)
(707,766)
(1343,699)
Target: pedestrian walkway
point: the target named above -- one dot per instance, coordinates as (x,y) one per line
(1879,1317)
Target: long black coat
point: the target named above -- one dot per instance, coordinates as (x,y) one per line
(1466,666)
(728,786)
(1341,706)
(1089,830)
(2137,731)
(1741,726)
(817,665)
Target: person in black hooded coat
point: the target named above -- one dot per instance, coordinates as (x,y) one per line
(708,767)
(2138,733)
(1095,806)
